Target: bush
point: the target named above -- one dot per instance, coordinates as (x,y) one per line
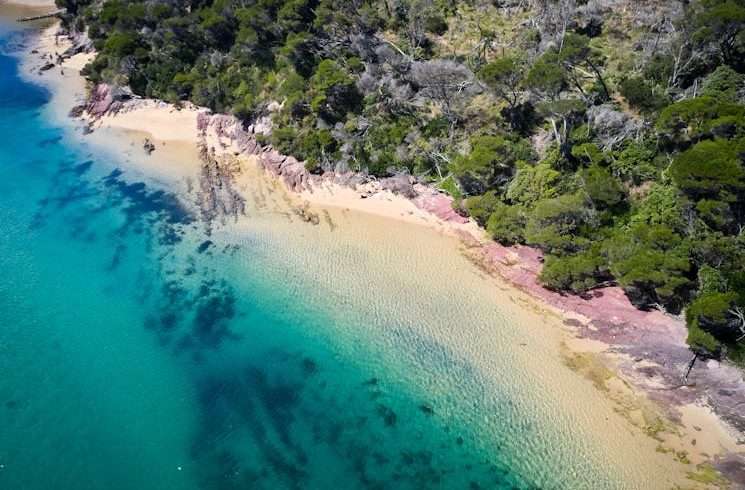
(533,183)
(635,162)
(724,84)
(481,207)
(506,224)
(334,92)
(603,188)
(711,312)
(693,119)
(710,168)
(120,44)
(556,225)
(576,273)
(436,24)
(490,163)
(652,264)
(642,95)
(703,343)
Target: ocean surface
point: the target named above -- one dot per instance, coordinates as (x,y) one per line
(141,349)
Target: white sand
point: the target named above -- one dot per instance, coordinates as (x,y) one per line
(30,3)
(161,121)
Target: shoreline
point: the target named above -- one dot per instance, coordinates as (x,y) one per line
(625,352)
(29,3)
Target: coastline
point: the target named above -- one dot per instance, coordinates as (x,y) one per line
(603,349)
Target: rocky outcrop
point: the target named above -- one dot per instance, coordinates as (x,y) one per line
(401,184)
(653,343)
(217,197)
(105,100)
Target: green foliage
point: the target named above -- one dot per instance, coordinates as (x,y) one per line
(651,262)
(576,273)
(334,93)
(724,84)
(503,76)
(662,206)
(315,147)
(712,306)
(642,95)
(588,153)
(710,168)
(481,207)
(711,280)
(712,314)
(546,76)
(720,24)
(120,44)
(533,183)
(703,343)
(701,117)
(506,224)
(490,163)
(716,214)
(604,189)
(557,225)
(436,24)
(635,162)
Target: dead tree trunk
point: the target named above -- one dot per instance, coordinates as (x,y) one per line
(690,367)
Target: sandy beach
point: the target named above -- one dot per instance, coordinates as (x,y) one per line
(679,432)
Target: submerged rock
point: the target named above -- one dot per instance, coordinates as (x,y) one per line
(148,146)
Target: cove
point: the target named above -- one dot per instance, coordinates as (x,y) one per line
(141,349)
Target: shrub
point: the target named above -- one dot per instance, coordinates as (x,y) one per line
(710,168)
(555,225)
(698,118)
(490,163)
(481,207)
(724,84)
(642,95)
(506,224)
(576,273)
(651,263)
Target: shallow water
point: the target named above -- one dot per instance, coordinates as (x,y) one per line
(139,351)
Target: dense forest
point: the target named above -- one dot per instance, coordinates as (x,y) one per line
(608,133)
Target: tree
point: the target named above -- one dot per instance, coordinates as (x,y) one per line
(710,168)
(577,273)
(120,44)
(604,189)
(445,82)
(490,164)
(694,119)
(719,315)
(635,162)
(503,77)
(577,56)
(721,23)
(533,183)
(651,263)
(481,207)
(725,84)
(642,95)
(334,92)
(556,224)
(546,77)
(506,224)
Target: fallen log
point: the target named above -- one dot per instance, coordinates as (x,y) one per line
(49,15)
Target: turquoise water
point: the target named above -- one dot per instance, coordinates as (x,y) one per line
(136,352)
